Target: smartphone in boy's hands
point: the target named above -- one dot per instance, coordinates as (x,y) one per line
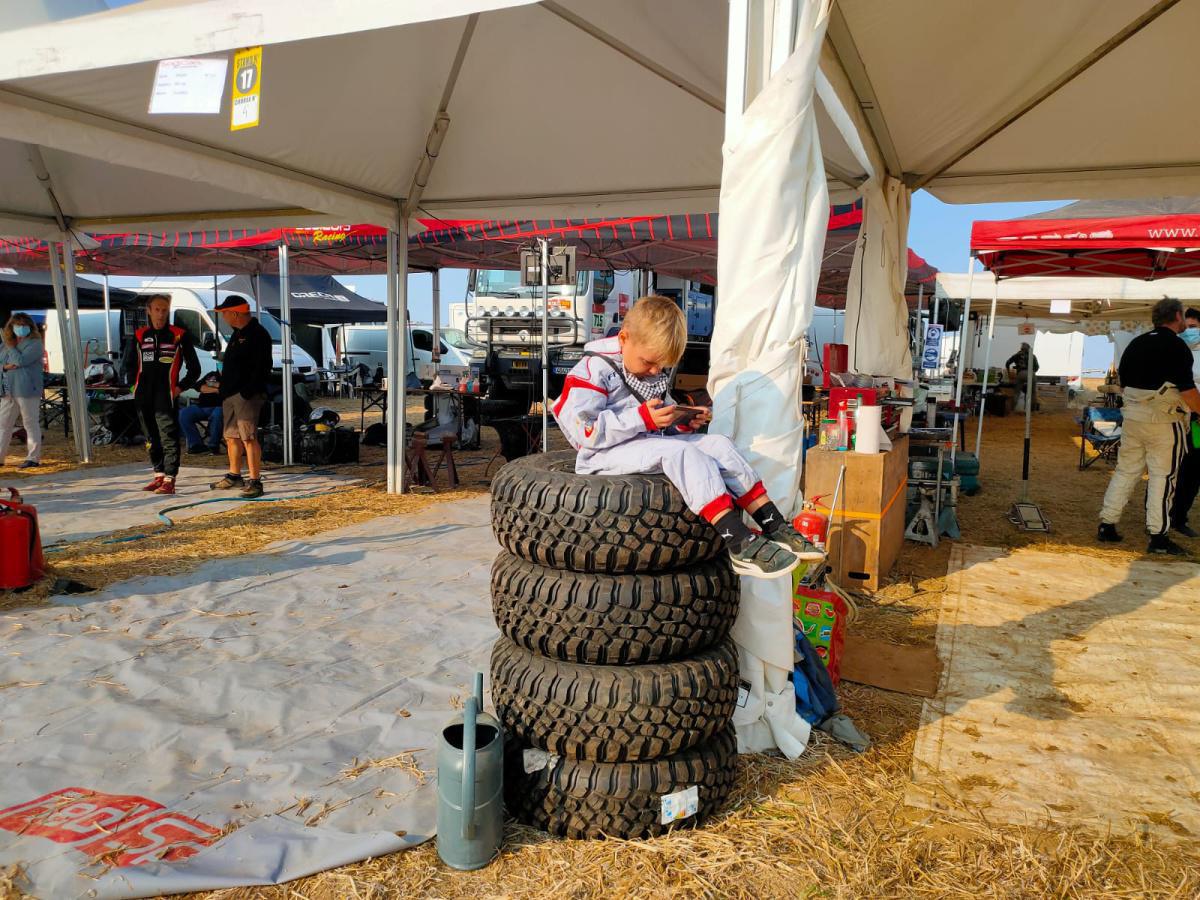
(688,413)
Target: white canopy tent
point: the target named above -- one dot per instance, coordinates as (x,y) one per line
(494,108)
(1098,305)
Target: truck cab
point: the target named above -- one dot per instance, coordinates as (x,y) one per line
(504,319)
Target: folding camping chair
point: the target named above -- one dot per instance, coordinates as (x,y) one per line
(1099,429)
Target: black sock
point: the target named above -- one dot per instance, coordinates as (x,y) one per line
(768,517)
(734,531)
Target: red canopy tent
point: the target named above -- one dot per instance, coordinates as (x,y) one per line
(680,245)
(1139,239)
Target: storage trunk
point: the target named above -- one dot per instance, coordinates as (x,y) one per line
(864,545)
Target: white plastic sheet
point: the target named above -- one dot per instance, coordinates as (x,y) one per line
(85,503)
(774,211)
(876,310)
(248,695)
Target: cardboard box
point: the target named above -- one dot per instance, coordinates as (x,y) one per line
(864,545)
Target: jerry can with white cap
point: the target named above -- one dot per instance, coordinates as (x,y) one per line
(470,768)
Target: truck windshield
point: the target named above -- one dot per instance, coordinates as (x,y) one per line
(505,283)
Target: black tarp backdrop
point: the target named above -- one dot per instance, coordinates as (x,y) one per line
(316,300)
(33,290)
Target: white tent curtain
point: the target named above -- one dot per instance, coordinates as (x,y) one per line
(775,203)
(876,310)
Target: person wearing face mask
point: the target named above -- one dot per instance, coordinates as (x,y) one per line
(1158,390)
(21,387)
(1189,469)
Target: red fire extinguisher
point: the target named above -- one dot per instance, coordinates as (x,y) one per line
(21,562)
(812,524)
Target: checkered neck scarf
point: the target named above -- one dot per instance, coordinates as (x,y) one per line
(646,388)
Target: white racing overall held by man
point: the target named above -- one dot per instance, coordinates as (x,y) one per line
(1158,390)
(617,412)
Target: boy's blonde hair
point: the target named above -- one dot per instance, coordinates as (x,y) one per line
(658,324)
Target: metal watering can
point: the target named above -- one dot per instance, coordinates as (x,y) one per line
(470,821)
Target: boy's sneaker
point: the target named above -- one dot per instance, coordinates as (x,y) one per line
(1108,534)
(155,484)
(166,487)
(228,483)
(790,539)
(252,489)
(762,558)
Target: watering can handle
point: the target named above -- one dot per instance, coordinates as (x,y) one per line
(468,770)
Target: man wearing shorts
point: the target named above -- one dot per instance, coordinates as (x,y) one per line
(244,373)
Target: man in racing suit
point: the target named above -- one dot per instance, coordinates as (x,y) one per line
(154,359)
(1158,390)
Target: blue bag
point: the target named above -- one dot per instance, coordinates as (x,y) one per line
(816,699)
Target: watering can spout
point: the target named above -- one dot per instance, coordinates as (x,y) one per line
(468,774)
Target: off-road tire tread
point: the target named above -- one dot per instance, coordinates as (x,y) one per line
(544,513)
(584,799)
(614,620)
(613,713)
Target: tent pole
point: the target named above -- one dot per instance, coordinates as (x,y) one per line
(437,317)
(285,314)
(937,307)
(72,295)
(68,359)
(966,317)
(70,348)
(1028,424)
(987,365)
(108,350)
(545,344)
(393,365)
(257,292)
(918,331)
(405,347)
(397,343)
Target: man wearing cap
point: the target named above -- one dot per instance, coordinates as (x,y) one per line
(154,358)
(244,373)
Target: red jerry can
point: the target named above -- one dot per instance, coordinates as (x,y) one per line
(21,562)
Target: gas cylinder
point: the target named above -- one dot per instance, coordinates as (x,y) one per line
(812,524)
(20,544)
(470,821)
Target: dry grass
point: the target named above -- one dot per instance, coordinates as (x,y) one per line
(404,761)
(832,824)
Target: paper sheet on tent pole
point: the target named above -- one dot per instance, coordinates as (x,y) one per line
(774,211)
(85,503)
(159,714)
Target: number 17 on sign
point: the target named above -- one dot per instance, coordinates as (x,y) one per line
(247,88)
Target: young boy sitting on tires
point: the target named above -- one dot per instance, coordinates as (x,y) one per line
(617,412)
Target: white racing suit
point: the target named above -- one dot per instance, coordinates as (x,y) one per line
(1153,440)
(611,428)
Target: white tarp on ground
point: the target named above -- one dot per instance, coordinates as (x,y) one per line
(775,205)
(1069,692)
(160,714)
(89,502)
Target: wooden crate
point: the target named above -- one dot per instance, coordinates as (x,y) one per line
(874,510)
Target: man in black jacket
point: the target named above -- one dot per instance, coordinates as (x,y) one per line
(153,359)
(244,373)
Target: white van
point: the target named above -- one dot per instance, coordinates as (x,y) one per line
(367,344)
(192,310)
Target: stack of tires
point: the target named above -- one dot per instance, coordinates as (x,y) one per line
(615,677)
